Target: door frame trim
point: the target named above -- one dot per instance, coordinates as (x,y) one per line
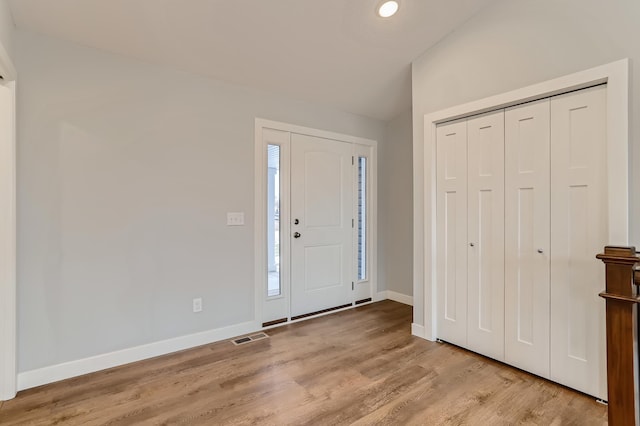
(8,289)
(260,204)
(615,75)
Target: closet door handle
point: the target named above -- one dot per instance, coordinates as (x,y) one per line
(540,251)
(472,244)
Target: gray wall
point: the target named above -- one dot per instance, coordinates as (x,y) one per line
(395,188)
(125,173)
(517,43)
(6,27)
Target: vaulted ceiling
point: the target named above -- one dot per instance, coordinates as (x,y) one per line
(333,52)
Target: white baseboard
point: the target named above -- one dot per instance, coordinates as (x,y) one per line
(399,297)
(381,295)
(54,373)
(417,330)
(393,295)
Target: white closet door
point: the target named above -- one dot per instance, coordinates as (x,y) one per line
(527,237)
(485,298)
(578,232)
(451,234)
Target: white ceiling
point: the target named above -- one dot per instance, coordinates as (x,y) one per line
(334,52)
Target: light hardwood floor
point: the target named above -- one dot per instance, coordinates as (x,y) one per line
(360,366)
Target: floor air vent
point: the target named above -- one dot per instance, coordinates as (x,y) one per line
(247,339)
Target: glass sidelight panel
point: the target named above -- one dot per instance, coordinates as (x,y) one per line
(362,218)
(274,281)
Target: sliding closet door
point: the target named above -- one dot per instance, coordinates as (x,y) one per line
(485,298)
(451,234)
(578,232)
(527,237)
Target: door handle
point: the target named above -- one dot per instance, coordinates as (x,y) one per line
(296,235)
(296,222)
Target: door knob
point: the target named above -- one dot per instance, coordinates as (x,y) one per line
(472,245)
(296,235)
(540,251)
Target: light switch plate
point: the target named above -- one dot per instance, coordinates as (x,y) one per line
(197,304)
(235,218)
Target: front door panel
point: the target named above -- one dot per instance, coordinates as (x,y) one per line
(321,228)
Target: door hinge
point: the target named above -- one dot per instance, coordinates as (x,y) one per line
(353,223)
(353,160)
(352,286)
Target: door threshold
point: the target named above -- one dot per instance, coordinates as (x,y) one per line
(299,318)
(274,322)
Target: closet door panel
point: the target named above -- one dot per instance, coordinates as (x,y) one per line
(578,233)
(485,298)
(527,237)
(451,234)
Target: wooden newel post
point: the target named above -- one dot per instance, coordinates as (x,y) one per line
(622,299)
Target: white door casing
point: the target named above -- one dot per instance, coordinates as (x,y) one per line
(452,232)
(527,237)
(269,132)
(322,246)
(425,243)
(578,231)
(8,309)
(485,297)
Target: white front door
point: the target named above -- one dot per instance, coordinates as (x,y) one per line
(321,224)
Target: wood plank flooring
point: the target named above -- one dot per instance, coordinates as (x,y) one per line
(359,367)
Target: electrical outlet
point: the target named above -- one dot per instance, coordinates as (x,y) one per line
(197,304)
(235,218)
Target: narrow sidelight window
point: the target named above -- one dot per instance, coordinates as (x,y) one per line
(362,218)
(274,285)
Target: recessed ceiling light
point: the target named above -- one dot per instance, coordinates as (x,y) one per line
(388,8)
